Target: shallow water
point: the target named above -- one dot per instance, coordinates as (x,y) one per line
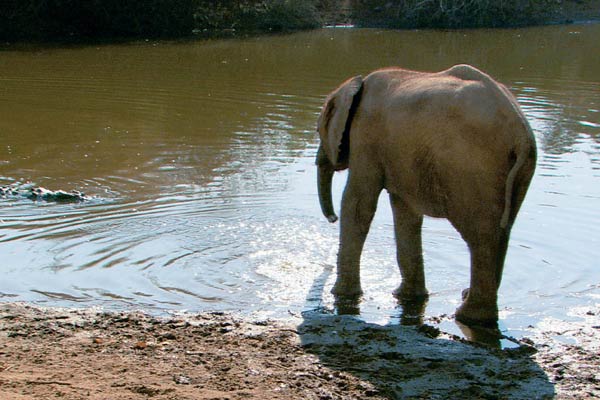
(199,156)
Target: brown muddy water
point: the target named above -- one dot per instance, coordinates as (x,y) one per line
(199,156)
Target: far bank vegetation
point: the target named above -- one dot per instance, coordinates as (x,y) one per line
(452,13)
(110,19)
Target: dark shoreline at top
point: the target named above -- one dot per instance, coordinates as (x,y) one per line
(188,20)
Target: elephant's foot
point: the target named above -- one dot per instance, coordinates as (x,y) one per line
(411,292)
(477,314)
(486,335)
(347,288)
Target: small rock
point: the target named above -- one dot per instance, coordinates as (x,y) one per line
(527,341)
(429,331)
(145,390)
(140,345)
(15,334)
(182,379)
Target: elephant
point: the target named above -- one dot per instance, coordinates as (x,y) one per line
(452,144)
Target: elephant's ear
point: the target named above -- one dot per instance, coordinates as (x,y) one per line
(336,116)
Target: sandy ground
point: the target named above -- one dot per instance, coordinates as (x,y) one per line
(89,354)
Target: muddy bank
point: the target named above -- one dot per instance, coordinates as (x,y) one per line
(75,354)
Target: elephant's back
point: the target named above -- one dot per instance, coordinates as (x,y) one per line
(463,106)
(439,128)
(442,136)
(457,110)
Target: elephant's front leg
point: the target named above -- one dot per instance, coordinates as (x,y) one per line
(409,250)
(358,208)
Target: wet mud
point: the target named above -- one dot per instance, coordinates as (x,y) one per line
(87,353)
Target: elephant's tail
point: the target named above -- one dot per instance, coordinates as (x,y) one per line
(510,183)
(524,152)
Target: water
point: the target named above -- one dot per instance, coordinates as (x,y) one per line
(200,159)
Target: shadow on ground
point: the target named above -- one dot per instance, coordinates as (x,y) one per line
(415,361)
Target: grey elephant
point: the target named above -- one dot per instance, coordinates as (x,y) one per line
(452,144)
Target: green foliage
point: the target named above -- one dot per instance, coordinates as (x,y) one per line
(334,12)
(284,15)
(256,15)
(46,19)
(108,19)
(85,19)
(450,13)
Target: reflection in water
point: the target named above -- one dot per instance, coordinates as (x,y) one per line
(200,156)
(562,124)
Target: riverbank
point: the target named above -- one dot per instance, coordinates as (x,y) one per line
(74,354)
(578,11)
(117,20)
(460,14)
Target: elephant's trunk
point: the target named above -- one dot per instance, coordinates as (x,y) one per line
(324,179)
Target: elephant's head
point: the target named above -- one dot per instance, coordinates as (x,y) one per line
(334,129)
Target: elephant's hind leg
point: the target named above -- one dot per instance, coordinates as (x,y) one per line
(409,250)
(358,208)
(488,252)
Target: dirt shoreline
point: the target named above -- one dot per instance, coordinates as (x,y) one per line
(90,354)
